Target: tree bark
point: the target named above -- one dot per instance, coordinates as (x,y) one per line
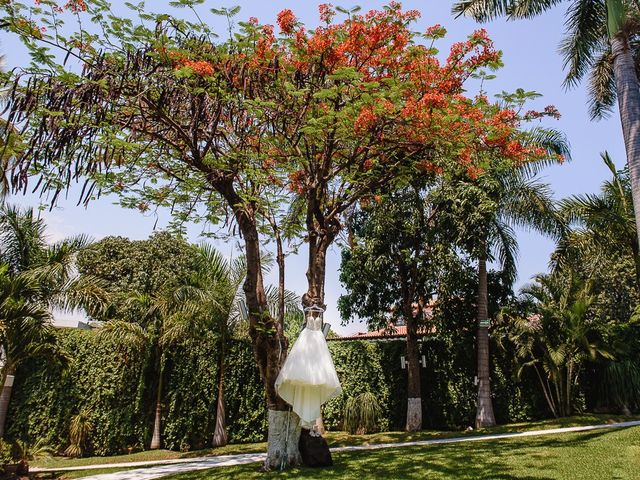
(269,343)
(282,446)
(281,272)
(628,93)
(5,398)
(318,245)
(484,412)
(414,400)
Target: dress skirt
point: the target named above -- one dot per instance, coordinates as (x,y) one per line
(308,377)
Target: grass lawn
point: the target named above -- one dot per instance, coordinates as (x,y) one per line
(78,473)
(335,439)
(595,455)
(149,455)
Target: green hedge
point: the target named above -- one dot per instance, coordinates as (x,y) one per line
(102,378)
(110,383)
(448,390)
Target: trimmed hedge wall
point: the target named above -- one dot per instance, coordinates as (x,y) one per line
(110,383)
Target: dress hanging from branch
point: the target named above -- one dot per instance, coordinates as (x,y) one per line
(308,377)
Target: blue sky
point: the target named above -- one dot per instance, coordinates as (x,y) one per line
(532,62)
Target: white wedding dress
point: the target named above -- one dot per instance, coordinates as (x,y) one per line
(308,378)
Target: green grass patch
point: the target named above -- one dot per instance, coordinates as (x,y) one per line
(148,456)
(593,455)
(343,439)
(86,473)
(335,439)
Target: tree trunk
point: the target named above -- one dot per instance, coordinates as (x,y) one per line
(319,242)
(316,271)
(414,400)
(635,251)
(267,337)
(484,413)
(281,272)
(547,394)
(270,349)
(220,432)
(156,439)
(628,92)
(282,446)
(5,397)
(267,334)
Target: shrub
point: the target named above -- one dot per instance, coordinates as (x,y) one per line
(361,414)
(79,431)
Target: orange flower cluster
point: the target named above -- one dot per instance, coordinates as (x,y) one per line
(366,119)
(286,21)
(428,109)
(326,12)
(296,181)
(201,68)
(179,60)
(76,6)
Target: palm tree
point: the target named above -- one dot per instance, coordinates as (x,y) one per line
(603,224)
(602,41)
(558,338)
(485,212)
(25,330)
(163,321)
(211,299)
(37,278)
(216,291)
(217,286)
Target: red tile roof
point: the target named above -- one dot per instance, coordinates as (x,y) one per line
(389,333)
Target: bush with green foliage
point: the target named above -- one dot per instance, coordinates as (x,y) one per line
(361,414)
(109,384)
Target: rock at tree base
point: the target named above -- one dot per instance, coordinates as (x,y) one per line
(314,450)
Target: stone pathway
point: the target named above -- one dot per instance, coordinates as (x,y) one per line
(171,467)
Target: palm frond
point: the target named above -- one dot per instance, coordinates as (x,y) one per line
(553,141)
(482,10)
(22,237)
(126,333)
(505,243)
(529,204)
(602,87)
(586,33)
(531,8)
(486,10)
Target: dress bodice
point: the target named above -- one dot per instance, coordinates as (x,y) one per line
(314,323)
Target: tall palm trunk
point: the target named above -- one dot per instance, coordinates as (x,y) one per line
(220,432)
(5,397)
(156,439)
(628,91)
(484,412)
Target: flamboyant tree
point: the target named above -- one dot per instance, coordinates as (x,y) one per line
(160,112)
(156,112)
(361,107)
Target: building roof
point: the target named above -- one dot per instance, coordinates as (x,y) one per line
(392,332)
